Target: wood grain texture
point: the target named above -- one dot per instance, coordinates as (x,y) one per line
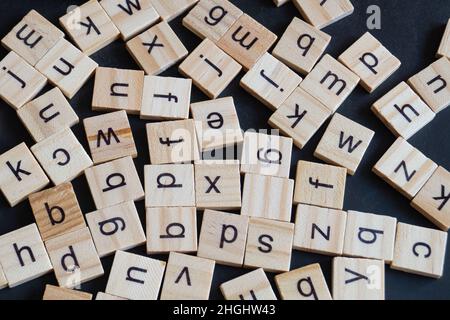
(251,286)
(324,13)
(3,280)
(56,293)
(170,9)
(107,297)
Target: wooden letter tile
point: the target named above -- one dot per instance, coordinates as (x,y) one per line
(130,17)
(330,82)
(114,182)
(157,49)
(172,142)
(171,229)
(268,155)
(19,82)
(323,13)
(90,27)
(135,277)
(269,245)
(118,89)
(300,117)
(59,294)
(169,185)
(109,137)
(402,111)
(212,18)
(320,185)
(419,250)
(251,286)
(247,41)
(371,61)
(48,114)
(62,157)
(67,67)
(432,199)
(223,237)
(217,123)
(218,186)
(301,46)
(344,143)
(319,230)
(3,280)
(166,98)
(116,228)
(210,68)
(370,236)
(20,174)
(74,258)
(107,297)
(23,256)
(170,9)
(358,279)
(306,283)
(258,189)
(433,84)
(270,81)
(444,47)
(32,37)
(405,168)
(56,211)
(187,278)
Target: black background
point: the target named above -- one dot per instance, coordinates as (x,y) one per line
(410,29)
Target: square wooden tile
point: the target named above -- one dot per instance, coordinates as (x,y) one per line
(172,142)
(169,185)
(166,98)
(170,9)
(107,297)
(3,280)
(20,174)
(251,286)
(223,237)
(109,137)
(54,293)
(62,157)
(135,277)
(67,67)
(300,117)
(432,199)
(402,111)
(266,154)
(247,41)
(269,245)
(171,229)
(330,82)
(114,182)
(433,84)
(419,250)
(131,17)
(344,143)
(74,258)
(371,61)
(258,189)
(369,235)
(89,27)
(23,256)
(405,168)
(116,228)
(48,114)
(210,68)
(218,186)
(306,283)
(216,123)
(212,18)
(19,82)
(118,89)
(323,13)
(320,185)
(32,37)
(444,47)
(358,279)
(187,278)
(270,81)
(157,49)
(56,211)
(301,46)
(319,230)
